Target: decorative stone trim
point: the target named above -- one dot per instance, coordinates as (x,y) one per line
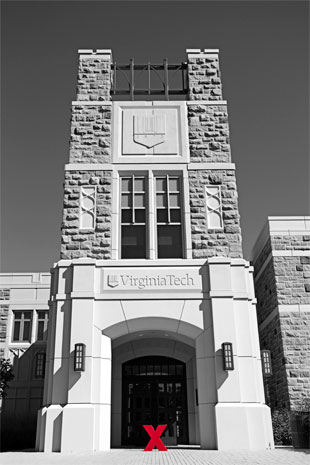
(206,102)
(89,167)
(291,253)
(211,166)
(91,102)
(202,51)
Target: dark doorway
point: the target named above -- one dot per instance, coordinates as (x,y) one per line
(154,393)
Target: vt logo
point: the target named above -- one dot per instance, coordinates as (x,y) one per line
(113,280)
(149,130)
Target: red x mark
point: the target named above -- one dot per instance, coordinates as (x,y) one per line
(155,437)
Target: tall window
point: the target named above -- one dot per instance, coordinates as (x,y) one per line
(133,216)
(39,369)
(168,213)
(42,325)
(151,220)
(22,326)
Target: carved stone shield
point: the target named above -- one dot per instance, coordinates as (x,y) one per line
(113,280)
(149,130)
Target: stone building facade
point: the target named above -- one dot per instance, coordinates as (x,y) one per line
(24,317)
(281,259)
(152,313)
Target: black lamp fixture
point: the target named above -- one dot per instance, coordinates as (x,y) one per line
(228,356)
(266,362)
(79,357)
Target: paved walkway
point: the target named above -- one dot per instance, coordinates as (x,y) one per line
(177,456)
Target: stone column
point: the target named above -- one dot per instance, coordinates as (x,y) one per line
(204,76)
(206,381)
(242,419)
(87,415)
(94,75)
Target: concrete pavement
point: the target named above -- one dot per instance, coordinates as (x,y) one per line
(174,456)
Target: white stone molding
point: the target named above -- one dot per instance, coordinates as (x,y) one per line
(89,167)
(102,103)
(206,102)
(211,166)
(291,253)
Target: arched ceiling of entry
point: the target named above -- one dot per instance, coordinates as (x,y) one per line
(154,327)
(151,344)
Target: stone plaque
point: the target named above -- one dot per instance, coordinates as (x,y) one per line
(156,279)
(150,131)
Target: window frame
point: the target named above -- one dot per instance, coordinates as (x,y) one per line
(39,365)
(132,208)
(167,194)
(22,326)
(45,324)
(151,173)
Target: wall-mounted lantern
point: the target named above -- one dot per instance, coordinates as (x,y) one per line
(228,356)
(79,357)
(266,362)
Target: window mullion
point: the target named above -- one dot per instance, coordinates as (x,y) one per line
(133,200)
(168,200)
(21,329)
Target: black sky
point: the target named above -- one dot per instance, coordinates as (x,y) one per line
(264,59)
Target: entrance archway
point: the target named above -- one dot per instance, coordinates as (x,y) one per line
(154,392)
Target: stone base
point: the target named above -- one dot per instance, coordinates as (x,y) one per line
(73,428)
(243,426)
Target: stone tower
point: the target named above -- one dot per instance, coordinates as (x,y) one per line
(151,284)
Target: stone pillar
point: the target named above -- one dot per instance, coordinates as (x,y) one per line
(204,76)
(77,412)
(242,419)
(94,75)
(206,381)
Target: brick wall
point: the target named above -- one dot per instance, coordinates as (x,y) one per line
(77,243)
(90,134)
(210,243)
(208,133)
(4,312)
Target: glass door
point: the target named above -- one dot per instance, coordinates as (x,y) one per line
(154,393)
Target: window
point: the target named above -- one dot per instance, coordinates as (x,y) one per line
(42,323)
(87,207)
(214,207)
(133,216)
(168,214)
(139,217)
(22,326)
(266,362)
(39,371)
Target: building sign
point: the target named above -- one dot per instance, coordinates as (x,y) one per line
(151,279)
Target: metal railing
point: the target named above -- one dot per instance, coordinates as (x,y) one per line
(150,79)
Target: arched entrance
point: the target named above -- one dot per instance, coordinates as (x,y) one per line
(154,392)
